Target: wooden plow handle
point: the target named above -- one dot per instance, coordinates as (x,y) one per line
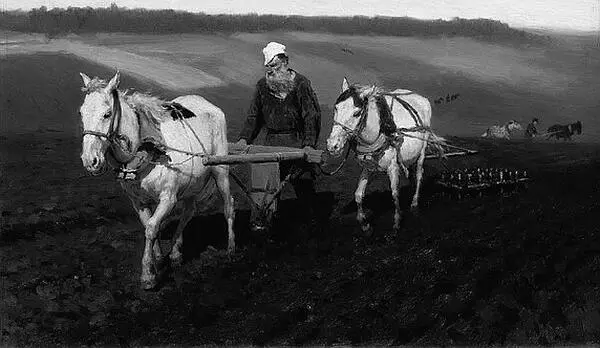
(263,154)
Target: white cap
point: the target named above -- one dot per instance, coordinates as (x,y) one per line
(271,50)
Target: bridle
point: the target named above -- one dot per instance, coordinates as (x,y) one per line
(113,120)
(119,144)
(362,103)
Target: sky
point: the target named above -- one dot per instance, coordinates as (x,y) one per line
(556,14)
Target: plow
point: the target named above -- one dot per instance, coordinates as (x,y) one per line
(264,185)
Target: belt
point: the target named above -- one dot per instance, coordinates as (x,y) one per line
(281,131)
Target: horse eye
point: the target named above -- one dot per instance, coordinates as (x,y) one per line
(107,114)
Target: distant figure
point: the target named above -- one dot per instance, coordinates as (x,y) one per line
(531,130)
(564,131)
(347,50)
(502,132)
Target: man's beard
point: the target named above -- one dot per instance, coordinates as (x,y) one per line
(281,83)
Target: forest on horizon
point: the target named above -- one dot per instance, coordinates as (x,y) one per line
(78,20)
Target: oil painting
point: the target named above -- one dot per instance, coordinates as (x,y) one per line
(299,173)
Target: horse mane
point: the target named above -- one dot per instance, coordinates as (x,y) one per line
(362,88)
(140,102)
(149,105)
(386,119)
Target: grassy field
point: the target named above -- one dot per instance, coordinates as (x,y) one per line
(520,269)
(495,82)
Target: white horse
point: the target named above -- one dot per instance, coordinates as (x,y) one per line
(502,132)
(112,132)
(360,115)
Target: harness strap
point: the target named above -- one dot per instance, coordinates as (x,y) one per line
(411,110)
(374,152)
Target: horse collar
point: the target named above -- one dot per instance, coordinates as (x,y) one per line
(127,171)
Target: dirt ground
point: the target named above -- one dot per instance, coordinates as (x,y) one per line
(520,269)
(516,269)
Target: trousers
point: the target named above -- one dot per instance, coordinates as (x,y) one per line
(303,174)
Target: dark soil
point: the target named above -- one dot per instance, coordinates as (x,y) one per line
(520,268)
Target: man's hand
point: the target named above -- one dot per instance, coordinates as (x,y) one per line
(311,155)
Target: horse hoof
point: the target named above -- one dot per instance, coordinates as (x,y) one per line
(148,284)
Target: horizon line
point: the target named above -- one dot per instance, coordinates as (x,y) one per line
(514,26)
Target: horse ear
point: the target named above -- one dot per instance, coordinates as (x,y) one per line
(345,84)
(86,79)
(114,82)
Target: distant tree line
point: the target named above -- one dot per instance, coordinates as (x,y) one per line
(77,20)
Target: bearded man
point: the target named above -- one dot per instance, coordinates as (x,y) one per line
(286,105)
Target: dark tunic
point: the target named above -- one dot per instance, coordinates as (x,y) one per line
(294,121)
(531,131)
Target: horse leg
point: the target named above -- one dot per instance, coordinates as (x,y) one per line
(165,205)
(222,176)
(144,214)
(176,255)
(414,206)
(393,172)
(359,194)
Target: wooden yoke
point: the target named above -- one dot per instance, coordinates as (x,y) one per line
(264,154)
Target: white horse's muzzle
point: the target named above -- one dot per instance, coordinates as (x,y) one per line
(92,154)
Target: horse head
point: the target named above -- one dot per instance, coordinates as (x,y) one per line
(98,113)
(513,125)
(349,115)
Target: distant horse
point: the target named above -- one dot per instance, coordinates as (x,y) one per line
(504,131)
(390,131)
(564,131)
(112,126)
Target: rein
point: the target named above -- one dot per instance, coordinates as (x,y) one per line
(354,134)
(339,167)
